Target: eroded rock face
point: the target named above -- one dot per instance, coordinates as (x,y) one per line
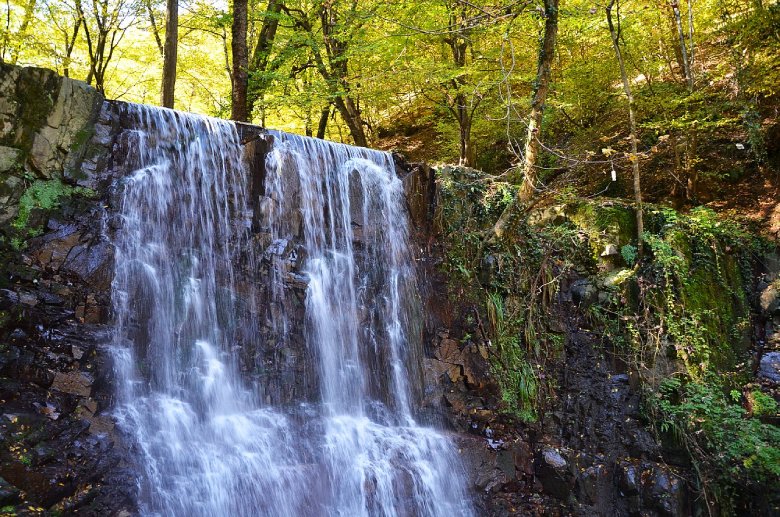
(58,446)
(46,126)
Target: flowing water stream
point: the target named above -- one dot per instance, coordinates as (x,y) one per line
(204,441)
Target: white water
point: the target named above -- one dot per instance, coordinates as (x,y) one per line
(204,443)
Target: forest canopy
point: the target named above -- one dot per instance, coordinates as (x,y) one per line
(490,81)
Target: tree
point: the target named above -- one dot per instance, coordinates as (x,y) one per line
(67,22)
(105,23)
(334,68)
(460,24)
(540,89)
(169,54)
(328,31)
(240,75)
(21,33)
(614,33)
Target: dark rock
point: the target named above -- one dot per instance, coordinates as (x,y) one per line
(553,471)
(9,494)
(584,293)
(75,383)
(769,368)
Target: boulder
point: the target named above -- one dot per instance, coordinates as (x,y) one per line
(769,368)
(554,473)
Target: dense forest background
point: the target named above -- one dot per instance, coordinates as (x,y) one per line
(473,82)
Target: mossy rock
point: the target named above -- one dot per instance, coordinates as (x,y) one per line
(609,226)
(717,295)
(34,97)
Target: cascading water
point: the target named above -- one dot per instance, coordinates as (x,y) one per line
(205,443)
(359,306)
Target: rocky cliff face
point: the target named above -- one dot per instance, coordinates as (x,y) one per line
(588,452)
(58,447)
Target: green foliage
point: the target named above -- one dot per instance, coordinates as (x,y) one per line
(516,377)
(629,254)
(763,404)
(516,279)
(695,286)
(730,449)
(43,195)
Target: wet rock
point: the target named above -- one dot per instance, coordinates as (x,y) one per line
(594,484)
(92,263)
(769,368)
(629,481)
(770,300)
(8,299)
(9,494)
(664,491)
(553,471)
(583,292)
(75,383)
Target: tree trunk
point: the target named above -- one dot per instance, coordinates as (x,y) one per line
(240,76)
(323,125)
(683,47)
(29,10)
(463,115)
(352,118)
(169,54)
(155,29)
(541,87)
(677,185)
(690,165)
(70,43)
(632,121)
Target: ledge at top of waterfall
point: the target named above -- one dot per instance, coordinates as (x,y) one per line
(186,305)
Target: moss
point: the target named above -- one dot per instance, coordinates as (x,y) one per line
(718,297)
(612,223)
(36,92)
(41,195)
(79,149)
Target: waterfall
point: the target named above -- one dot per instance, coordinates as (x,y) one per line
(187,304)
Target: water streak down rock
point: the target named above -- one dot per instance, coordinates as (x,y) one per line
(186,297)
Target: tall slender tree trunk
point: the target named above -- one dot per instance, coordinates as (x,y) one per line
(351,115)
(468,156)
(541,87)
(155,28)
(70,43)
(240,77)
(615,35)
(683,46)
(169,54)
